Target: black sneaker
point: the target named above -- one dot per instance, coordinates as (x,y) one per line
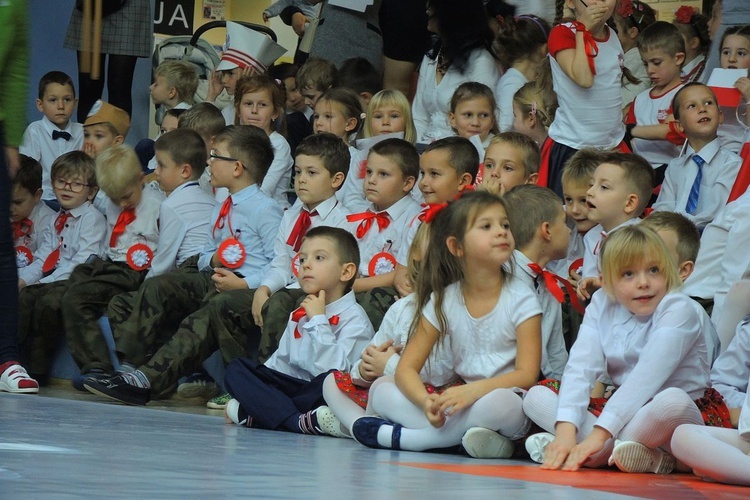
(95,374)
(118,389)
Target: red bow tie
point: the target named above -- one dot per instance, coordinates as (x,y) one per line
(430,211)
(300,229)
(60,221)
(126,217)
(226,207)
(300,312)
(367,219)
(553,282)
(22,228)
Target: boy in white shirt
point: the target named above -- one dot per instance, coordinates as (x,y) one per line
(46,139)
(697,184)
(538,224)
(131,242)
(326,333)
(30,217)
(620,190)
(74,235)
(175,83)
(321,165)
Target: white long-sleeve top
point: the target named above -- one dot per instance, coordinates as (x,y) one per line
(321,345)
(744,425)
(437,370)
(642,356)
(731,370)
(277,180)
(82,237)
(144,229)
(41,216)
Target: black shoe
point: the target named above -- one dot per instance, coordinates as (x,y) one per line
(95,374)
(118,389)
(365,431)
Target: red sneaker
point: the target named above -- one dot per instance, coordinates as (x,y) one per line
(14,379)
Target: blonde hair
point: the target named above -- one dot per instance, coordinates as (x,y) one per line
(632,246)
(530,154)
(537,99)
(417,252)
(118,169)
(389,97)
(181,75)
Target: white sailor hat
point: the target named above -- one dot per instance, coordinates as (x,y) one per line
(246,47)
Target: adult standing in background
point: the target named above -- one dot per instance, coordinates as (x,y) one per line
(343,33)
(462,53)
(127,34)
(405,40)
(14,74)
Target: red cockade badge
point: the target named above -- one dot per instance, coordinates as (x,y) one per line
(232,253)
(381,263)
(139,257)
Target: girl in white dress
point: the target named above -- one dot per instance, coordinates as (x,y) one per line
(493,322)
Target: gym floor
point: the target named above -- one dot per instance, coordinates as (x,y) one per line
(66,444)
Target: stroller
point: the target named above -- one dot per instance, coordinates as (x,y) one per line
(199,52)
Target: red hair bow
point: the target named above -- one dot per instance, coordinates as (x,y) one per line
(684,14)
(430,211)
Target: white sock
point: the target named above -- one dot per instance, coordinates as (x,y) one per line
(713,452)
(346,410)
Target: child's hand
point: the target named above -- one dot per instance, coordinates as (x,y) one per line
(21,284)
(401,281)
(593,443)
(458,398)
(262,294)
(89,149)
(574,278)
(214,86)
(493,185)
(432,411)
(298,23)
(266,17)
(587,287)
(375,358)
(594,14)
(314,304)
(743,85)
(558,450)
(225,280)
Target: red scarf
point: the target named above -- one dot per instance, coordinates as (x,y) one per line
(553,282)
(367,219)
(126,217)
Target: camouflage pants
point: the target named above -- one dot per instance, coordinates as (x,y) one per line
(40,325)
(208,320)
(277,309)
(90,288)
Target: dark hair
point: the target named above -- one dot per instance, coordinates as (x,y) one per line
(678,95)
(184,146)
(282,71)
(259,83)
(345,243)
(528,207)
(688,237)
(735,30)
(662,35)
(637,172)
(331,150)
(696,28)
(641,17)
(204,118)
(520,38)
(29,175)
(250,145)
(440,267)
(175,113)
(360,75)
(462,27)
(55,77)
(400,152)
(318,74)
(475,90)
(463,155)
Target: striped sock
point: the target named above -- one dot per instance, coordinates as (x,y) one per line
(308,423)
(137,378)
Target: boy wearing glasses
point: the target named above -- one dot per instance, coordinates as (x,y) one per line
(179,315)
(75,234)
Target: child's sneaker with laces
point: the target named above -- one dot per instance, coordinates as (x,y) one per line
(14,379)
(219,402)
(198,385)
(486,443)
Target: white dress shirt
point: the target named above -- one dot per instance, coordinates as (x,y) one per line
(592,243)
(254,220)
(82,237)
(184,227)
(38,144)
(41,217)
(731,370)
(328,213)
(719,173)
(641,355)
(144,229)
(390,239)
(554,355)
(485,347)
(322,346)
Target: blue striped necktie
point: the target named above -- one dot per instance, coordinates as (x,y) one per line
(692,202)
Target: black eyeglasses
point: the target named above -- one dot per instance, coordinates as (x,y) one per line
(213,156)
(73,186)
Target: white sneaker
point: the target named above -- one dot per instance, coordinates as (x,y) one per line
(631,456)
(14,379)
(235,414)
(536,444)
(329,423)
(485,443)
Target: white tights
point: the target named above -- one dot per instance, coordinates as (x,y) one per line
(736,307)
(651,426)
(500,410)
(713,453)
